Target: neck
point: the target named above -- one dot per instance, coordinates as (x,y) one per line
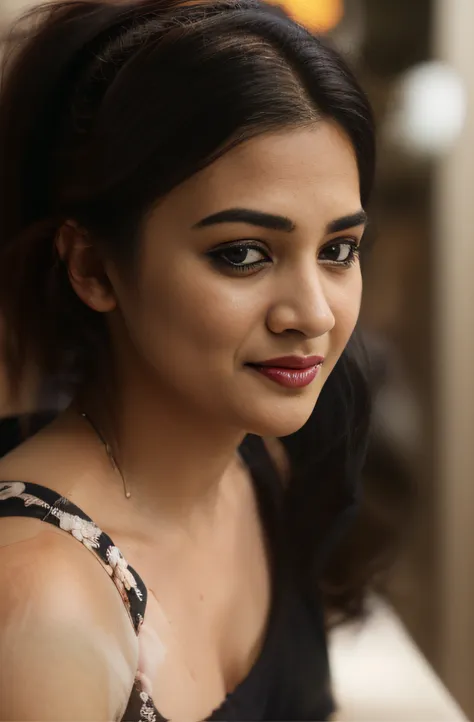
(172,460)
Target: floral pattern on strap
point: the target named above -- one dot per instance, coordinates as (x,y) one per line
(120,572)
(141,707)
(147,711)
(18,498)
(11,489)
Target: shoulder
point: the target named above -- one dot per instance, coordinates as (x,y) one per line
(14,430)
(70,646)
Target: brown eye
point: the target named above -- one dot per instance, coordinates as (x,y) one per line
(240,257)
(340,253)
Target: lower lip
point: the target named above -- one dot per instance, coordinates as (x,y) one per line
(290,378)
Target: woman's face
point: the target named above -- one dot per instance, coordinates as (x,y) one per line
(251,260)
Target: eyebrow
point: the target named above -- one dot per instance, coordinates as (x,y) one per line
(275,222)
(346,222)
(252,218)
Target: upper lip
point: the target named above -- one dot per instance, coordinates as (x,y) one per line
(292,362)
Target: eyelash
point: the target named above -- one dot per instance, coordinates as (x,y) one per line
(217,255)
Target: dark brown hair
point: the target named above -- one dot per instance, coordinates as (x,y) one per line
(104,108)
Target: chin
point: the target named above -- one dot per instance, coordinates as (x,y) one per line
(280,419)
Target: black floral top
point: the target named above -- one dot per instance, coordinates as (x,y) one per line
(18,498)
(290,679)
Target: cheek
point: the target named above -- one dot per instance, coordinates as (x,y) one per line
(192,311)
(345,305)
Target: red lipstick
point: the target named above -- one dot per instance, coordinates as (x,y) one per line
(293,372)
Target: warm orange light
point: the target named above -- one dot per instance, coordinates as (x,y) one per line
(317,15)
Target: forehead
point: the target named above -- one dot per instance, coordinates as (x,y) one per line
(303,172)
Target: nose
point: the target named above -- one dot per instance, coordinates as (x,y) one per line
(301,305)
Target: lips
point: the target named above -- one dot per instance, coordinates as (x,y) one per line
(292,362)
(290,371)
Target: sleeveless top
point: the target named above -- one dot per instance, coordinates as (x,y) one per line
(290,678)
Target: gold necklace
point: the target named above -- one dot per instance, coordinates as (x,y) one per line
(108,450)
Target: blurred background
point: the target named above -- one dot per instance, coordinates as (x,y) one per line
(416,60)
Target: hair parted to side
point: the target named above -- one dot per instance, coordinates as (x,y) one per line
(104,108)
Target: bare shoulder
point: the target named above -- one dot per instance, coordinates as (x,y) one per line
(70,648)
(279,457)
(32,459)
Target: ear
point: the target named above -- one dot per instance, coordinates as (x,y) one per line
(86,268)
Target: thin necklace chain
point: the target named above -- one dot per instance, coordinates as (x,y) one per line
(108,450)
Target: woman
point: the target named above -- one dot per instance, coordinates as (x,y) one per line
(180,232)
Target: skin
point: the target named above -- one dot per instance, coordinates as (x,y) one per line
(219,320)
(183,332)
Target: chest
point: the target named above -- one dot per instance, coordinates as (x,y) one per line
(208,606)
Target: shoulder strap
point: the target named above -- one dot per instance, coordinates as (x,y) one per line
(18,498)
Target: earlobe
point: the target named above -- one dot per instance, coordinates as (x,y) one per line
(85,267)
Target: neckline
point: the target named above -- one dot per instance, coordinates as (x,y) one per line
(30,499)
(261,475)
(259,665)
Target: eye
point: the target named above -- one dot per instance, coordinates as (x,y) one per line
(240,257)
(340,253)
